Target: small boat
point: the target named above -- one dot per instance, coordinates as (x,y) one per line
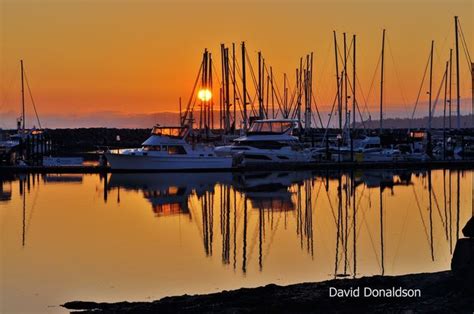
(267,141)
(168,149)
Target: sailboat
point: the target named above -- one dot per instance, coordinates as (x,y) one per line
(9,148)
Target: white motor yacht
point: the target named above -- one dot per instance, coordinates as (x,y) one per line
(167,149)
(267,141)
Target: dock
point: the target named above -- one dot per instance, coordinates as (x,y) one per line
(432,164)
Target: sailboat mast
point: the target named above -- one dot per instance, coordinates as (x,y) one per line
(458,96)
(381,82)
(345,78)
(337,82)
(444,107)
(354,82)
(23,118)
(450,86)
(244,87)
(234,103)
(431,86)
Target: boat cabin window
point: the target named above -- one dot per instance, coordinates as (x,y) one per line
(176,150)
(151,148)
(268,127)
(172,132)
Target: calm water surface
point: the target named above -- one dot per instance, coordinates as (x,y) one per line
(145,236)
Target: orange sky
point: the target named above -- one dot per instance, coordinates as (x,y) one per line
(138,57)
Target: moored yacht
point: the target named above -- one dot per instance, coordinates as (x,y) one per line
(168,149)
(267,141)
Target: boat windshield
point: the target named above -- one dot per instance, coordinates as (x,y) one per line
(269,127)
(173,132)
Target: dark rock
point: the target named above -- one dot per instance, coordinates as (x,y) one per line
(462,263)
(468,229)
(440,293)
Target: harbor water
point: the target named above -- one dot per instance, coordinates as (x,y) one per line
(125,236)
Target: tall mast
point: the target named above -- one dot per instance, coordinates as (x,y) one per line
(431,86)
(354,82)
(233,85)
(227,93)
(273,93)
(23,118)
(444,107)
(381,82)
(310,94)
(260,86)
(337,81)
(345,78)
(244,87)
(450,85)
(472,94)
(458,96)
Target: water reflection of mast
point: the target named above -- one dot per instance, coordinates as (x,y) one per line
(458,202)
(207,222)
(355,225)
(431,215)
(445,205)
(381,229)
(339,212)
(23,193)
(450,214)
(309,217)
(244,248)
(346,187)
(225,223)
(235,228)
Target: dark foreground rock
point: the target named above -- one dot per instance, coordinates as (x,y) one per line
(440,293)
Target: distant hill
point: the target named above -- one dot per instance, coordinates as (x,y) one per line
(399,123)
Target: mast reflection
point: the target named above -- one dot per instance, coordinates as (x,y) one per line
(239,214)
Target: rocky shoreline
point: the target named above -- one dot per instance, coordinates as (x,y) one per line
(440,292)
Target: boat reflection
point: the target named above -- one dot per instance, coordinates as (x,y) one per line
(241,216)
(168,193)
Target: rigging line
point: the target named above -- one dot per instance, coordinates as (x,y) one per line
(191,97)
(363,96)
(437,207)
(317,111)
(330,116)
(464,44)
(421,216)
(239,94)
(421,87)
(357,106)
(238,90)
(275,91)
(254,79)
(32,100)
(433,110)
(323,69)
(330,203)
(405,103)
(365,223)
(372,83)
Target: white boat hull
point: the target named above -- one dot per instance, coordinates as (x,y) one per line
(174,162)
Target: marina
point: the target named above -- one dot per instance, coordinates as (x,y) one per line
(236,157)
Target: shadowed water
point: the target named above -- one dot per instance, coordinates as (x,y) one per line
(145,236)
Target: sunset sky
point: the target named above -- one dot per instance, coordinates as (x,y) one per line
(105,62)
